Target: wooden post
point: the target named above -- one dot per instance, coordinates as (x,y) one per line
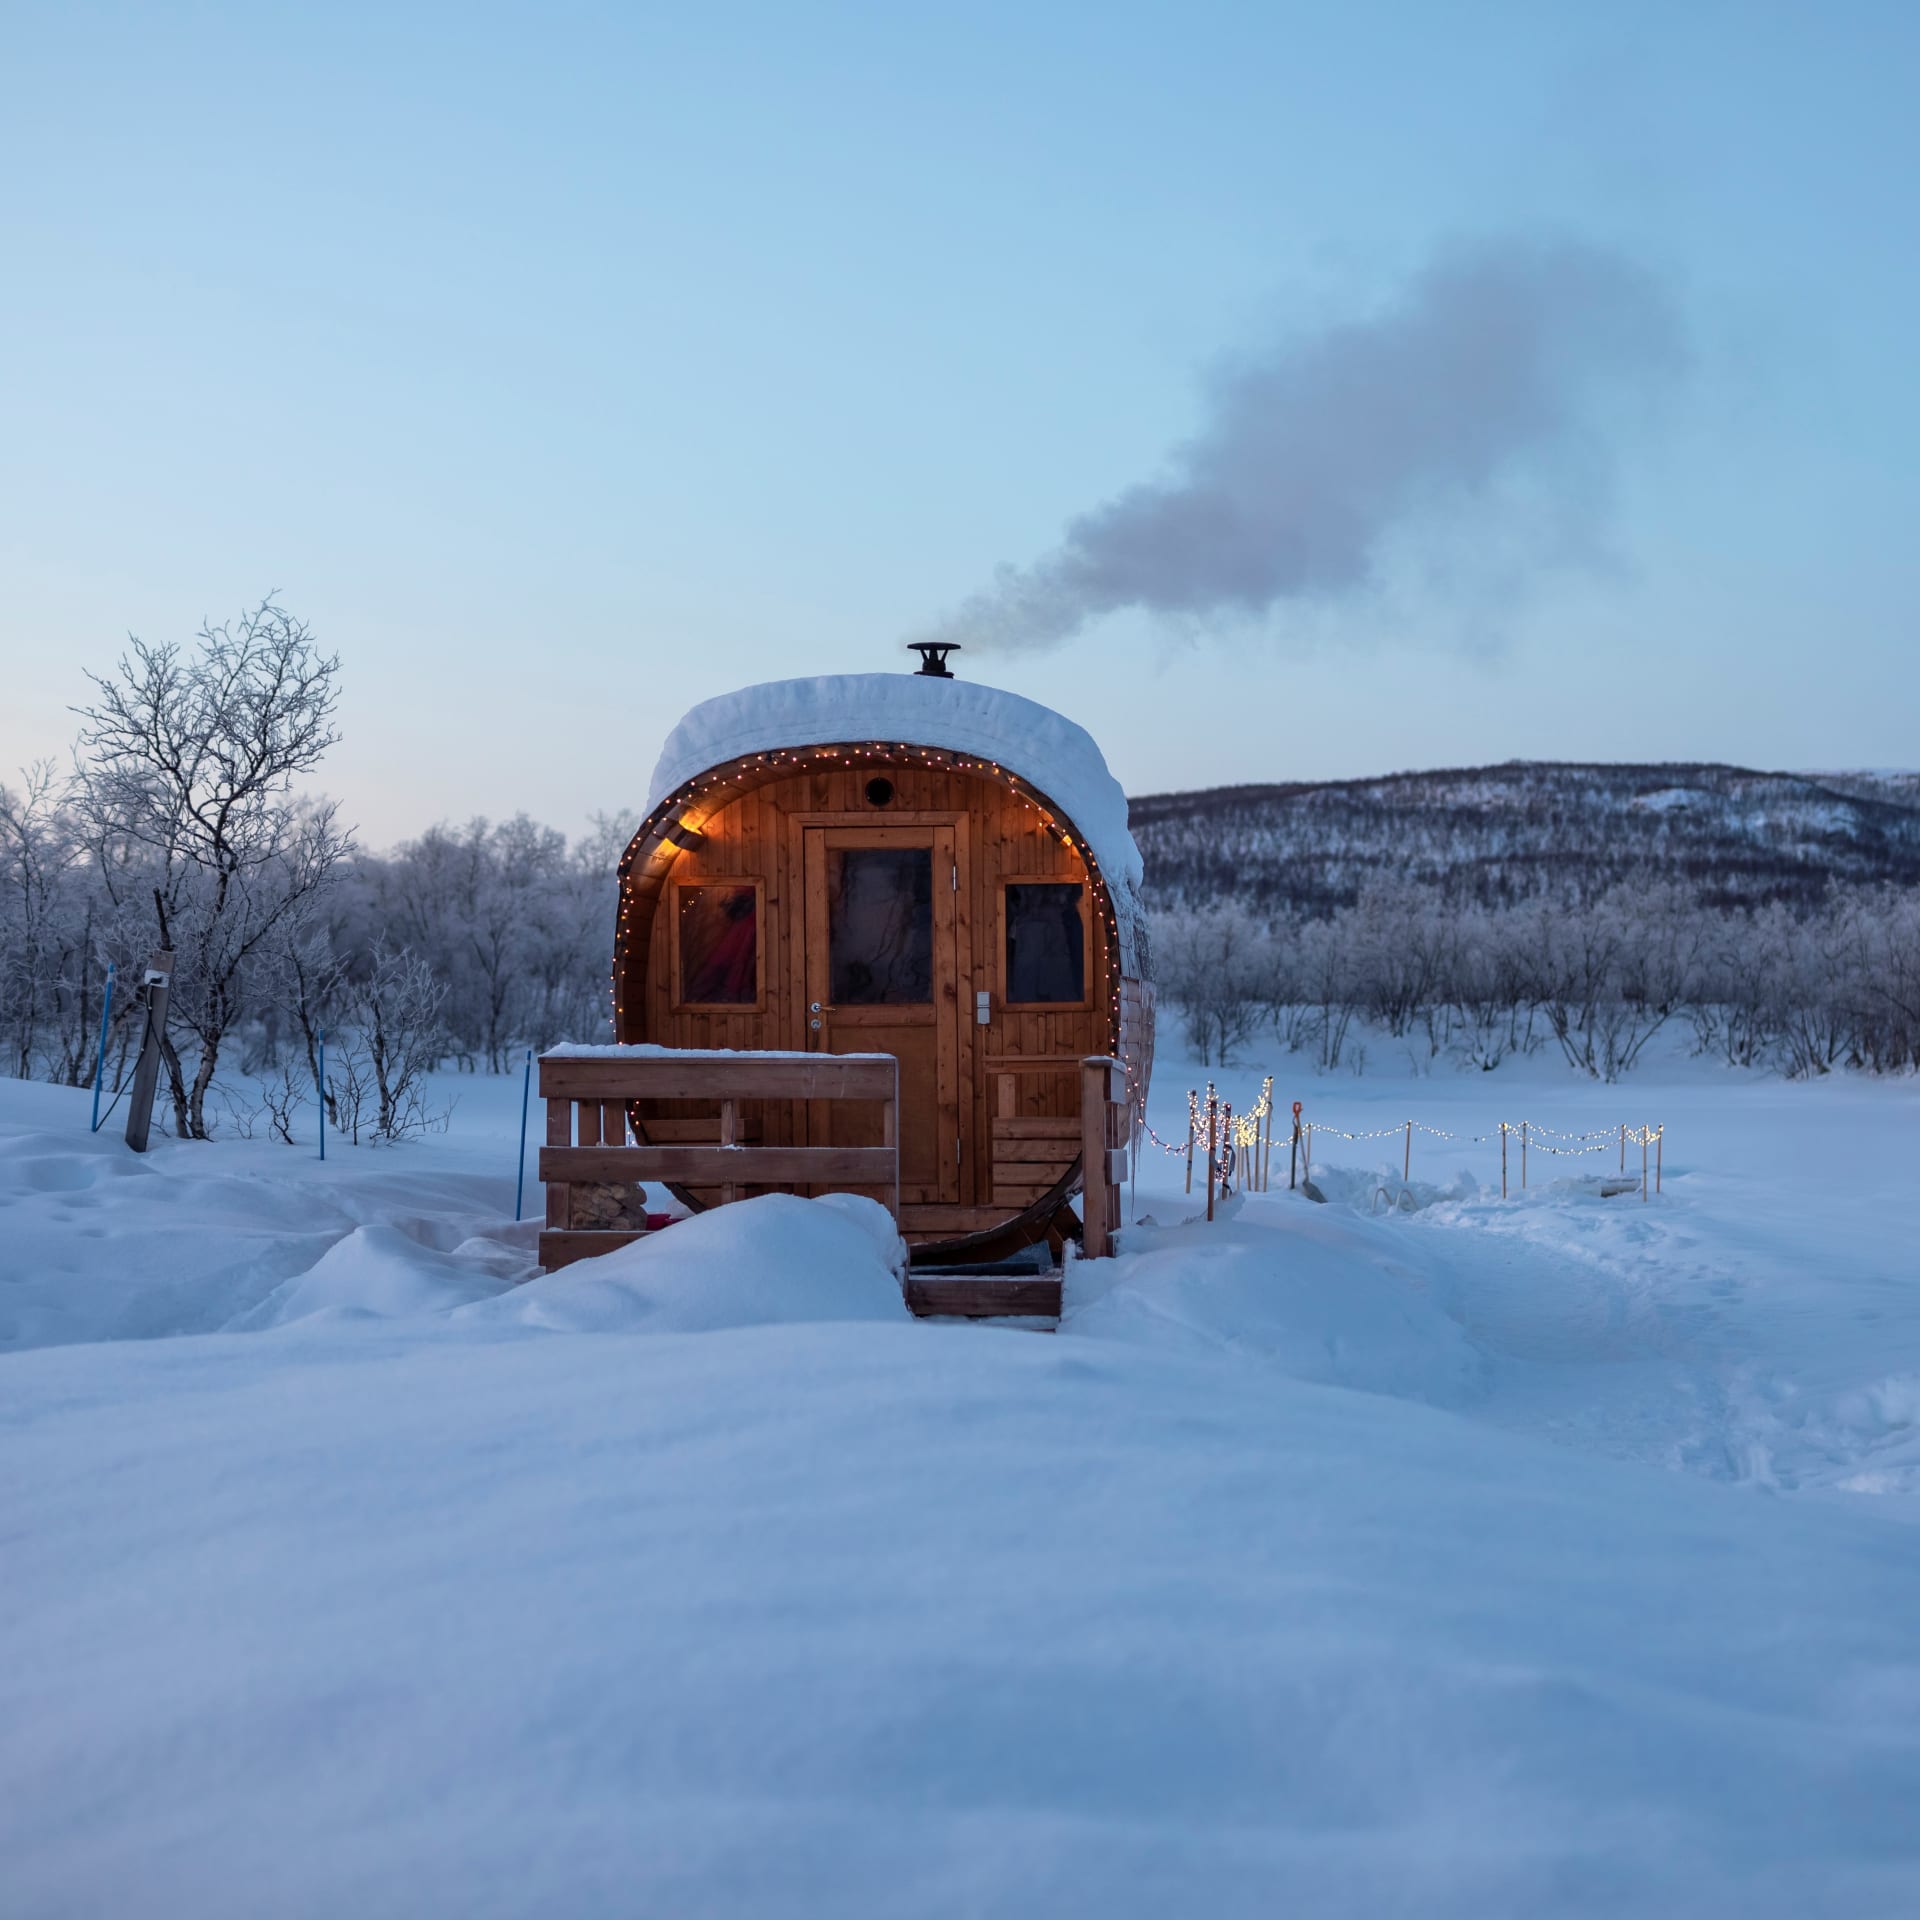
(1406,1164)
(729,1137)
(1523,1155)
(146,1075)
(1231,1156)
(890,1136)
(1306,1158)
(1098,1197)
(1213,1134)
(1293,1149)
(1643,1165)
(1192,1096)
(1503,1159)
(1659,1153)
(1623,1146)
(559,1134)
(1266,1145)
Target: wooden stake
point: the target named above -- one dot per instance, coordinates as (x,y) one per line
(1306,1159)
(1523,1156)
(1293,1157)
(146,1073)
(1503,1159)
(1623,1146)
(1659,1152)
(1643,1165)
(1406,1164)
(1213,1134)
(1192,1095)
(1226,1134)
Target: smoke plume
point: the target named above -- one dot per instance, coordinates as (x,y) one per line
(1485,373)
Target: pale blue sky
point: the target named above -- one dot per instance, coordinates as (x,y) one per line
(566,365)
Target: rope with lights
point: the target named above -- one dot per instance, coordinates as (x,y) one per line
(1215,1130)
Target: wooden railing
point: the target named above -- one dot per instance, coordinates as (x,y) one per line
(587,1134)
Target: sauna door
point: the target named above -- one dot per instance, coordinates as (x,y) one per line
(881,978)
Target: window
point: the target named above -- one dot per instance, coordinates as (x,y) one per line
(1046,944)
(880,926)
(719,933)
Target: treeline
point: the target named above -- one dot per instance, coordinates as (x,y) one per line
(178,827)
(459,948)
(1800,991)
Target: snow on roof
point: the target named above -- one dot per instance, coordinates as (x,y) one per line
(910,709)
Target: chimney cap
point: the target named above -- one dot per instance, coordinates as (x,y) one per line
(933,657)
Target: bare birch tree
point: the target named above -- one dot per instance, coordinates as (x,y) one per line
(185,780)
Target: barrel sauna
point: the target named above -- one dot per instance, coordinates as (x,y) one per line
(908,864)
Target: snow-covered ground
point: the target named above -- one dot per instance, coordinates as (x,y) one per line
(1538,1557)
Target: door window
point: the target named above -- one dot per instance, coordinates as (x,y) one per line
(880,926)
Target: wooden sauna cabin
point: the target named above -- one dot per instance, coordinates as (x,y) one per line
(903,863)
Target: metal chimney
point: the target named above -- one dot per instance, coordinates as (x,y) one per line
(933,657)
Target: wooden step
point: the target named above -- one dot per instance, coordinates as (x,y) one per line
(984,1296)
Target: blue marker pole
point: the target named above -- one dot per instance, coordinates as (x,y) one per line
(100,1065)
(323,1093)
(520,1172)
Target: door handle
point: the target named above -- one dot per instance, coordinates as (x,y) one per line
(815,1008)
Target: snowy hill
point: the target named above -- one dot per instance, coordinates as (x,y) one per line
(1533,829)
(1546,1556)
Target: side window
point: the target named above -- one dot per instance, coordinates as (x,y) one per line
(717,926)
(1046,943)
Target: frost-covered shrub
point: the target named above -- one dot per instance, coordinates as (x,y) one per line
(1216,968)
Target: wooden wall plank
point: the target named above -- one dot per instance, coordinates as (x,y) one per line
(1046,1127)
